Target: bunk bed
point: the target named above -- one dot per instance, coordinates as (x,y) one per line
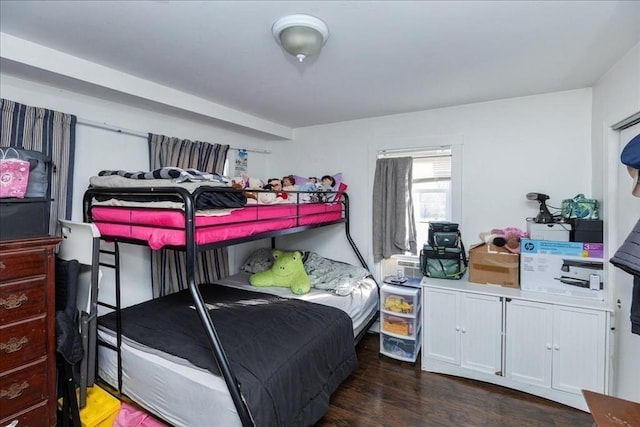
(322,336)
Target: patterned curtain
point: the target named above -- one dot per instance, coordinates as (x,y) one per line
(167,266)
(394,227)
(52,133)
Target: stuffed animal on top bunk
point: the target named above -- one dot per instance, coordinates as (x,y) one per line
(274,194)
(287,271)
(245,182)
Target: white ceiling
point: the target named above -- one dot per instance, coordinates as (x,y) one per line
(381,58)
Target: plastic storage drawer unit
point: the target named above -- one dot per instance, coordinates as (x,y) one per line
(400,321)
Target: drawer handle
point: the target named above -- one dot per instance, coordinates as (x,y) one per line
(14,344)
(14,390)
(13,301)
(2,266)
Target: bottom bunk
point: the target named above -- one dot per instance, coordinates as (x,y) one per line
(289,352)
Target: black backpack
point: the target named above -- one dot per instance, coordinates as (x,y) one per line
(443,256)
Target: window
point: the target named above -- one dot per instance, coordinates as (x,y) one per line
(435,197)
(431,190)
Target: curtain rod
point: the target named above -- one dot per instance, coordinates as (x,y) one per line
(413,150)
(145,135)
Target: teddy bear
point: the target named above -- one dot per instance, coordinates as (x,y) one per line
(508,237)
(287,271)
(245,182)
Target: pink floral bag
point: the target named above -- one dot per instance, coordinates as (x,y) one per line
(14,174)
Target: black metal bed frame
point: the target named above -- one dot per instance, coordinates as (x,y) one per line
(192,248)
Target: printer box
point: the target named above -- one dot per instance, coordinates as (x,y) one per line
(491,264)
(564,268)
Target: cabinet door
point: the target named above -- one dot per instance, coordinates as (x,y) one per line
(578,349)
(481,333)
(441,328)
(528,342)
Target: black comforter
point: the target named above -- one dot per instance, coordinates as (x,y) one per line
(288,355)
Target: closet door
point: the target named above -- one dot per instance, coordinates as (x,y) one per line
(623,211)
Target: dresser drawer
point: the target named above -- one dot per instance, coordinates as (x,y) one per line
(23,388)
(34,417)
(22,342)
(22,299)
(19,264)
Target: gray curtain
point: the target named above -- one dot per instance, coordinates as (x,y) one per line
(52,133)
(394,228)
(168,273)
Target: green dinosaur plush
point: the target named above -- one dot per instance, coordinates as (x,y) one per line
(287,271)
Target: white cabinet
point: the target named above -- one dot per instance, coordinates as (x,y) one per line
(468,331)
(578,349)
(555,346)
(546,345)
(441,308)
(529,342)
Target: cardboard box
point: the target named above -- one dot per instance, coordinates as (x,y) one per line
(492,264)
(564,268)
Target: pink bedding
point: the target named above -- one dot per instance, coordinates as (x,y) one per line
(164,227)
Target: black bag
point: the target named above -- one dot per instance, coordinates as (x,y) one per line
(443,233)
(444,256)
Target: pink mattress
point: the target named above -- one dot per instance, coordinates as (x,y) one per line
(165,227)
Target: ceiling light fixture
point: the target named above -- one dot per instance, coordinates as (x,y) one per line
(300,35)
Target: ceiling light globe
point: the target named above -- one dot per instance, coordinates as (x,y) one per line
(300,35)
(301,41)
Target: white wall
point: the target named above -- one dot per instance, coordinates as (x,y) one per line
(510,147)
(615,97)
(98,149)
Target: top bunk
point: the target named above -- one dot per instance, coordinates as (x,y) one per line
(163,213)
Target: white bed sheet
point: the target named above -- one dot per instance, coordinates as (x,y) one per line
(185,395)
(361,305)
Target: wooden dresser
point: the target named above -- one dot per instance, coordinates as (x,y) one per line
(27,332)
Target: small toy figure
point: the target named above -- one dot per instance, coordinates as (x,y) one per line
(327,182)
(288,183)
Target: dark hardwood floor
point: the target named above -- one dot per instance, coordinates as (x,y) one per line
(386,392)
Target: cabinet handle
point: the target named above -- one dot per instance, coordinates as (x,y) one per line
(464,331)
(557,347)
(2,266)
(457,328)
(548,346)
(13,301)
(14,390)
(14,344)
